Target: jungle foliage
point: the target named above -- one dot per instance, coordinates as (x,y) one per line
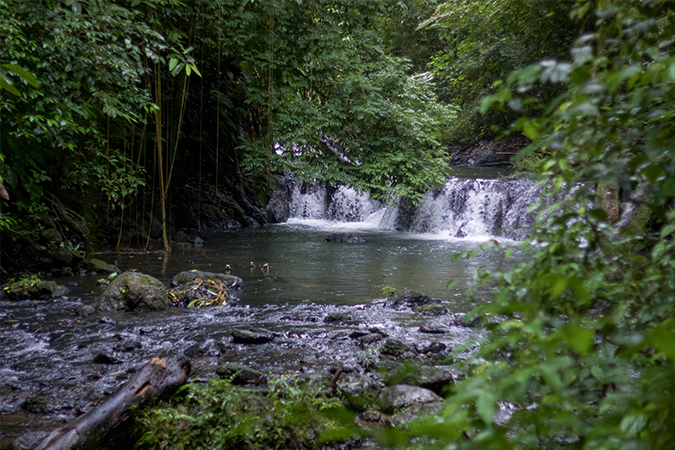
(485,42)
(579,352)
(107,104)
(290,414)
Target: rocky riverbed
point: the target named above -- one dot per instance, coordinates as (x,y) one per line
(61,358)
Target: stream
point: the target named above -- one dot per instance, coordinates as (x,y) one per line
(317,299)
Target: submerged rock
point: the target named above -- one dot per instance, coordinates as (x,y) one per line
(395,348)
(250,337)
(134,291)
(37,404)
(345,238)
(394,398)
(410,299)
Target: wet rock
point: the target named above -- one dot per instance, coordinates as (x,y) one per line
(338,317)
(209,349)
(370,339)
(394,398)
(107,321)
(434,310)
(240,374)
(133,291)
(34,290)
(431,347)
(182,236)
(63,256)
(413,412)
(127,346)
(395,348)
(98,266)
(28,441)
(360,391)
(182,245)
(196,288)
(197,242)
(84,310)
(250,337)
(251,222)
(36,405)
(231,281)
(104,359)
(345,238)
(410,299)
(434,378)
(434,329)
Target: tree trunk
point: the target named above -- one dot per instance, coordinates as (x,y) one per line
(157,378)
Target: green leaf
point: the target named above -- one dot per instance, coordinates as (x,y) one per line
(27,76)
(486,406)
(8,86)
(663,337)
(531,129)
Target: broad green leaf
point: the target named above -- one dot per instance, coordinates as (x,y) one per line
(27,76)
(486,406)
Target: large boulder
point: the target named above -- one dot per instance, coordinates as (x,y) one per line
(394,398)
(434,378)
(134,291)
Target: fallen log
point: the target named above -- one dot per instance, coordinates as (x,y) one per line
(157,378)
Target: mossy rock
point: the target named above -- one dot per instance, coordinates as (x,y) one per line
(133,291)
(434,378)
(231,281)
(34,289)
(98,266)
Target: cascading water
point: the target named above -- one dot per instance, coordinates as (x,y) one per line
(463,209)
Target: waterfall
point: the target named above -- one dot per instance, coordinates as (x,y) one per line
(462,209)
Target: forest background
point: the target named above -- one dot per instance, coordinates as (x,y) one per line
(126,120)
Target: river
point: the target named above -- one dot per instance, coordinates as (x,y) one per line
(73,360)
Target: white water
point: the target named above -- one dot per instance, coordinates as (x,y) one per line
(464,209)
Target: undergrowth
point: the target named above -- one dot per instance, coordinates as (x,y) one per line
(220,415)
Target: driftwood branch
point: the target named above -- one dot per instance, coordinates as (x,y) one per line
(157,378)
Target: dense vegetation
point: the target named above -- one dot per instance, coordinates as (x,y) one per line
(580,344)
(112,111)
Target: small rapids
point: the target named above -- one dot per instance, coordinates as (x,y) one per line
(74,362)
